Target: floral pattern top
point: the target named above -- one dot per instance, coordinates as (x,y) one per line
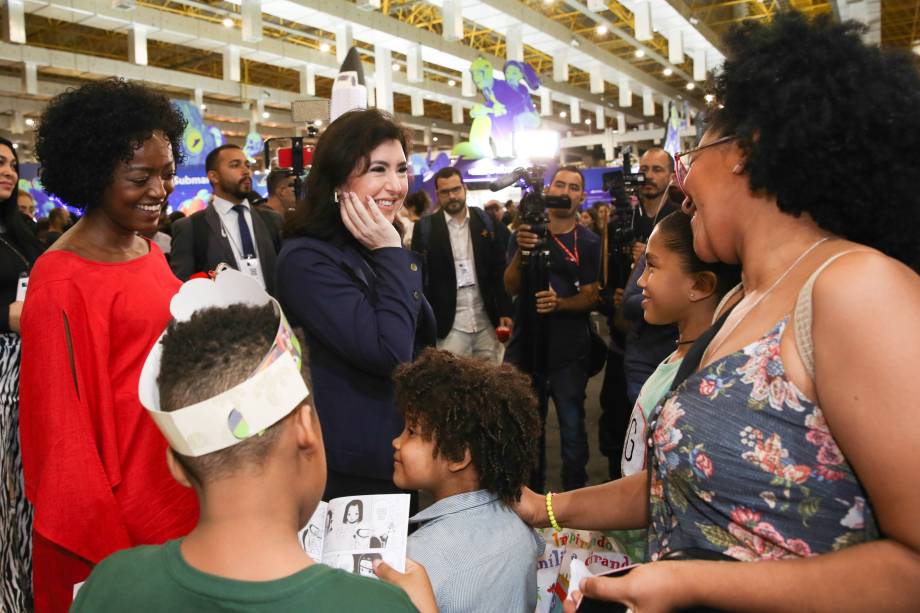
(744,464)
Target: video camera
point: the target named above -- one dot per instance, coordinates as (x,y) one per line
(533,203)
(623,187)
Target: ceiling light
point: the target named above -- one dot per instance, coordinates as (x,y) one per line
(691,86)
(318,123)
(228,23)
(30,122)
(640,53)
(395,67)
(15,145)
(434,139)
(324,47)
(694,21)
(266,114)
(574,42)
(667,72)
(916,47)
(562,114)
(204,107)
(451,82)
(601,30)
(587,122)
(709,97)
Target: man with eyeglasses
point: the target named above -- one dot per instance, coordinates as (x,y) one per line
(464,264)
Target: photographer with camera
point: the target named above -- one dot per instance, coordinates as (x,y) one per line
(636,347)
(561,371)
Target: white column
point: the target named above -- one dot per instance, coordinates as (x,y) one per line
(418,104)
(699,65)
(621,123)
(307,80)
(597,80)
(344,40)
(198,97)
(14,22)
(676,47)
(18,123)
(414,66)
(642,11)
(452,16)
(232,63)
(546,102)
(30,78)
(137,44)
(514,43)
(648,102)
(426,137)
(625,92)
(665,107)
(371,93)
(560,68)
(467,87)
(600,117)
(383,75)
(251,11)
(575,110)
(456,112)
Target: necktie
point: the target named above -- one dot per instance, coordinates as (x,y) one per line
(249,249)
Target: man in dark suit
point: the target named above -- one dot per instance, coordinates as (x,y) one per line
(228,230)
(464,263)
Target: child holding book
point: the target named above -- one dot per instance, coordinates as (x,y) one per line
(470,441)
(224,386)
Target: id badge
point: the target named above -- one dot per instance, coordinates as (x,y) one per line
(465,275)
(250,266)
(21,287)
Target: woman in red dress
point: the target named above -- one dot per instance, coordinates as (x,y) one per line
(94,462)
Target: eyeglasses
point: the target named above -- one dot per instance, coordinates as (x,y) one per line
(681,171)
(453,191)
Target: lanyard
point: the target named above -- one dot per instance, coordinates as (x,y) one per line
(573,257)
(17,252)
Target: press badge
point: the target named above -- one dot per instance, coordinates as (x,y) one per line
(21,287)
(465,274)
(250,266)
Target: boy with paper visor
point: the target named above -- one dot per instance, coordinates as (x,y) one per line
(224,386)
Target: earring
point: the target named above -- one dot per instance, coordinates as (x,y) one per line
(738,169)
(335,197)
(692,295)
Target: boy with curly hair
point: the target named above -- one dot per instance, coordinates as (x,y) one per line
(470,441)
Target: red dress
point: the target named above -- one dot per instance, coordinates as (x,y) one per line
(94,462)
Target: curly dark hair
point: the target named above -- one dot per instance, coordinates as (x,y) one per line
(86,132)
(212,352)
(465,403)
(829,127)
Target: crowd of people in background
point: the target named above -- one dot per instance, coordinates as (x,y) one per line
(754,407)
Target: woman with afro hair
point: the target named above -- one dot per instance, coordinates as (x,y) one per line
(794,445)
(97,301)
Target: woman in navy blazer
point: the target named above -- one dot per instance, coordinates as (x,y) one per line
(344,276)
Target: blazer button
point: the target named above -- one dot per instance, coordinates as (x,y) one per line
(413,267)
(416,295)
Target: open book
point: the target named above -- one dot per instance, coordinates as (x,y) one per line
(351,532)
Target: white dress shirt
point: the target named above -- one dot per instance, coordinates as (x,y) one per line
(470,315)
(230,226)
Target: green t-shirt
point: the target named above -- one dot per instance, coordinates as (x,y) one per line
(157,578)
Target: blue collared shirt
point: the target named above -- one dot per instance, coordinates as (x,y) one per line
(478,553)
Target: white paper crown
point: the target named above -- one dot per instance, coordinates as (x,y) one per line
(274,389)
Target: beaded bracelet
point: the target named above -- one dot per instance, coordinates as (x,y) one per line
(550,514)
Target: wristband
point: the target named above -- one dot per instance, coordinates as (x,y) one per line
(550,514)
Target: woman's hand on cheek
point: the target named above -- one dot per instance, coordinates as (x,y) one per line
(366,223)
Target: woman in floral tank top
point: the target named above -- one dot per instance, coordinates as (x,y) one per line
(795,446)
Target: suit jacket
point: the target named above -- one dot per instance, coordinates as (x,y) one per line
(440,279)
(363,314)
(182,256)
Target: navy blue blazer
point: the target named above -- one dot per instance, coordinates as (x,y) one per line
(362,315)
